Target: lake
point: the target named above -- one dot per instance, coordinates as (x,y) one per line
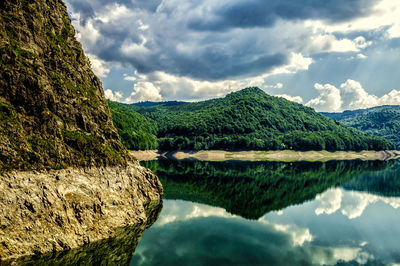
(259,213)
(238,213)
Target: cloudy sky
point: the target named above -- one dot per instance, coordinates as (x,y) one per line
(332,55)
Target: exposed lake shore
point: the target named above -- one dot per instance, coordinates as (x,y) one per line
(283,156)
(56,210)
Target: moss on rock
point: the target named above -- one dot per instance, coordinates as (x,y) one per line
(53,112)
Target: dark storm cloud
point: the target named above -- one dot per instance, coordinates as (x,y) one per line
(199,66)
(204,40)
(83,7)
(87,8)
(261,13)
(231,68)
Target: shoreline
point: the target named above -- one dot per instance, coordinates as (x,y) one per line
(280,156)
(57,210)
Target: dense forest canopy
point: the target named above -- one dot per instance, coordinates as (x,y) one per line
(136,131)
(382,121)
(248,119)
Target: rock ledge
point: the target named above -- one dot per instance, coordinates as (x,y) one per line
(56,210)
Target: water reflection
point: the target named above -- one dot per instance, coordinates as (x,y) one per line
(196,234)
(351,203)
(251,189)
(114,251)
(385,183)
(332,214)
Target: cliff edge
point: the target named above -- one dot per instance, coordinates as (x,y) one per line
(65,178)
(53,113)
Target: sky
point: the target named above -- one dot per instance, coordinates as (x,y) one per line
(331,55)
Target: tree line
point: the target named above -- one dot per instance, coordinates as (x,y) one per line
(248,119)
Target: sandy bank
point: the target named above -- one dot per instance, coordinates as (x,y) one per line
(283,156)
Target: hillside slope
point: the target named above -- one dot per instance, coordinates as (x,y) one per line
(251,119)
(382,121)
(52,107)
(136,131)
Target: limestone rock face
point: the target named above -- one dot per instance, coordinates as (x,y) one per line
(53,113)
(113,251)
(65,178)
(56,210)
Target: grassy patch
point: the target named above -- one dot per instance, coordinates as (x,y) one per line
(88,147)
(42,146)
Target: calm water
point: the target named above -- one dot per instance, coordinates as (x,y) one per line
(236,213)
(275,214)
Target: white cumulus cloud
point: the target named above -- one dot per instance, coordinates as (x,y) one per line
(144,91)
(361,56)
(299,235)
(296,99)
(351,204)
(160,86)
(113,96)
(329,98)
(349,95)
(354,96)
(100,67)
(297,62)
(278,85)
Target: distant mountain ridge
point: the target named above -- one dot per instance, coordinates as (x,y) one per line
(250,119)
(347,113)
(151,104)
(382,121)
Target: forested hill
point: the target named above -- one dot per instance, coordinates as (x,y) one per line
(136,131)
(152,104)
(251,119)
(383,121)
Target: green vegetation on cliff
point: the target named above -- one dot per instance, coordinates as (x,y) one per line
(52,108)
(382,121)
(251,119)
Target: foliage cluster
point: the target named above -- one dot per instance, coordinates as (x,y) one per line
(382,121)
(135,130)
(252,120)
(90,148)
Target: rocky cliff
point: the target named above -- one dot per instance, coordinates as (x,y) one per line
(114,251)
(53,112)
(65,178)
(56,210)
